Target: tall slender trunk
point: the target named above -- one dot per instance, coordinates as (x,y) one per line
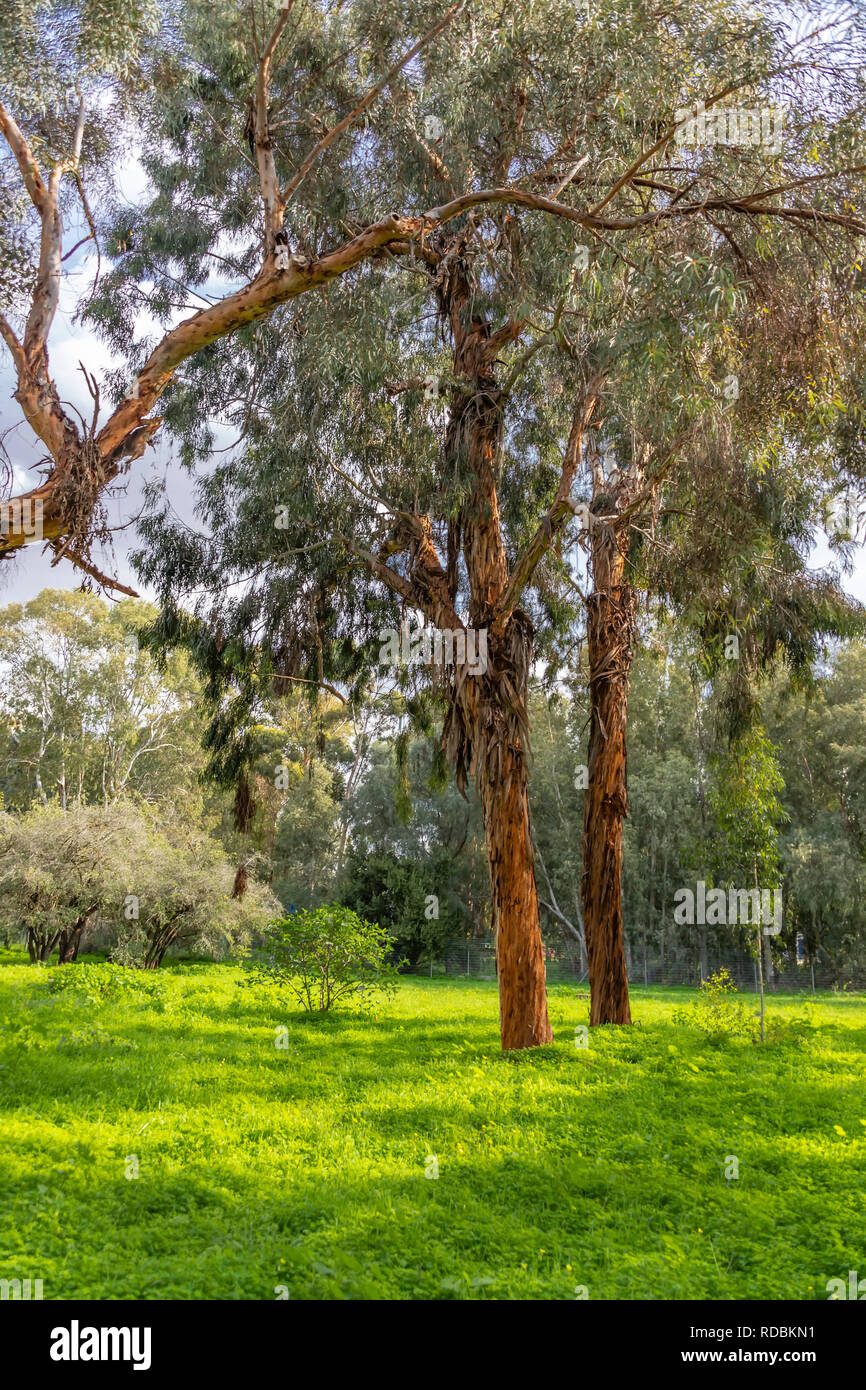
(760,947)
(704,963)
(502,780)
(610,619)
(664,899)
(486,728)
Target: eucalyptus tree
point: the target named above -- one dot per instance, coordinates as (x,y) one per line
(730,417)
(487,114)
(86,715)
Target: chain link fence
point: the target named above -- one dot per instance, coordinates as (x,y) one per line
(476,960)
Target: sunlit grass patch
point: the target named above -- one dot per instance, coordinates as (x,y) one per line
(309,1165)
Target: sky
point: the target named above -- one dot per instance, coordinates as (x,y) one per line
(71,344)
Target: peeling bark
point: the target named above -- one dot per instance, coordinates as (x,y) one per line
(486,731)
(610,622)
(501,773)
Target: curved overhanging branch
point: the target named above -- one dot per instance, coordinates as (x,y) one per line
(130,428)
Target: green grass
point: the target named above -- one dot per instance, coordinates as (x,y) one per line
(305,1167)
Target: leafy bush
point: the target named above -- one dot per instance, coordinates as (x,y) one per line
(716,1012)
(327,954)
(795,1030)
(105,980)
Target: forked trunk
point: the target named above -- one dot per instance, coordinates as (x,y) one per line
(610,618)
(68,945)
(70,939)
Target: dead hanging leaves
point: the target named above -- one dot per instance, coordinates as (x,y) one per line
(487,713)
(78,493)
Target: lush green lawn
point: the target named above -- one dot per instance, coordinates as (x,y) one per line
(305,1166)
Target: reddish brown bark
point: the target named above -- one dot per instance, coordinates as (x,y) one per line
(485,730)
(502,780)
(610,620)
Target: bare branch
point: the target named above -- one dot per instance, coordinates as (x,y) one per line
(273,202)
(9,337)
(33,180)
(104,580)
(748,204)
(322,685)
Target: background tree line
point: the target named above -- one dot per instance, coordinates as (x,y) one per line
(106,800)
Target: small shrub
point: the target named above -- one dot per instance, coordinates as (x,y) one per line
(716,1012)
(328,954)
(794,1031)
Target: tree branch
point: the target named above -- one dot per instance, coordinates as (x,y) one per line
(128,430)
(274,204)
(7,333)
(560,509)
(104,580)
(33,180)
(302,680)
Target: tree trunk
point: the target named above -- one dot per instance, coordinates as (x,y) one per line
(46,946)
(760,948)
(705,964)
(69,943)
(610,617)
(502,777)
(486,727)
(70,939)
